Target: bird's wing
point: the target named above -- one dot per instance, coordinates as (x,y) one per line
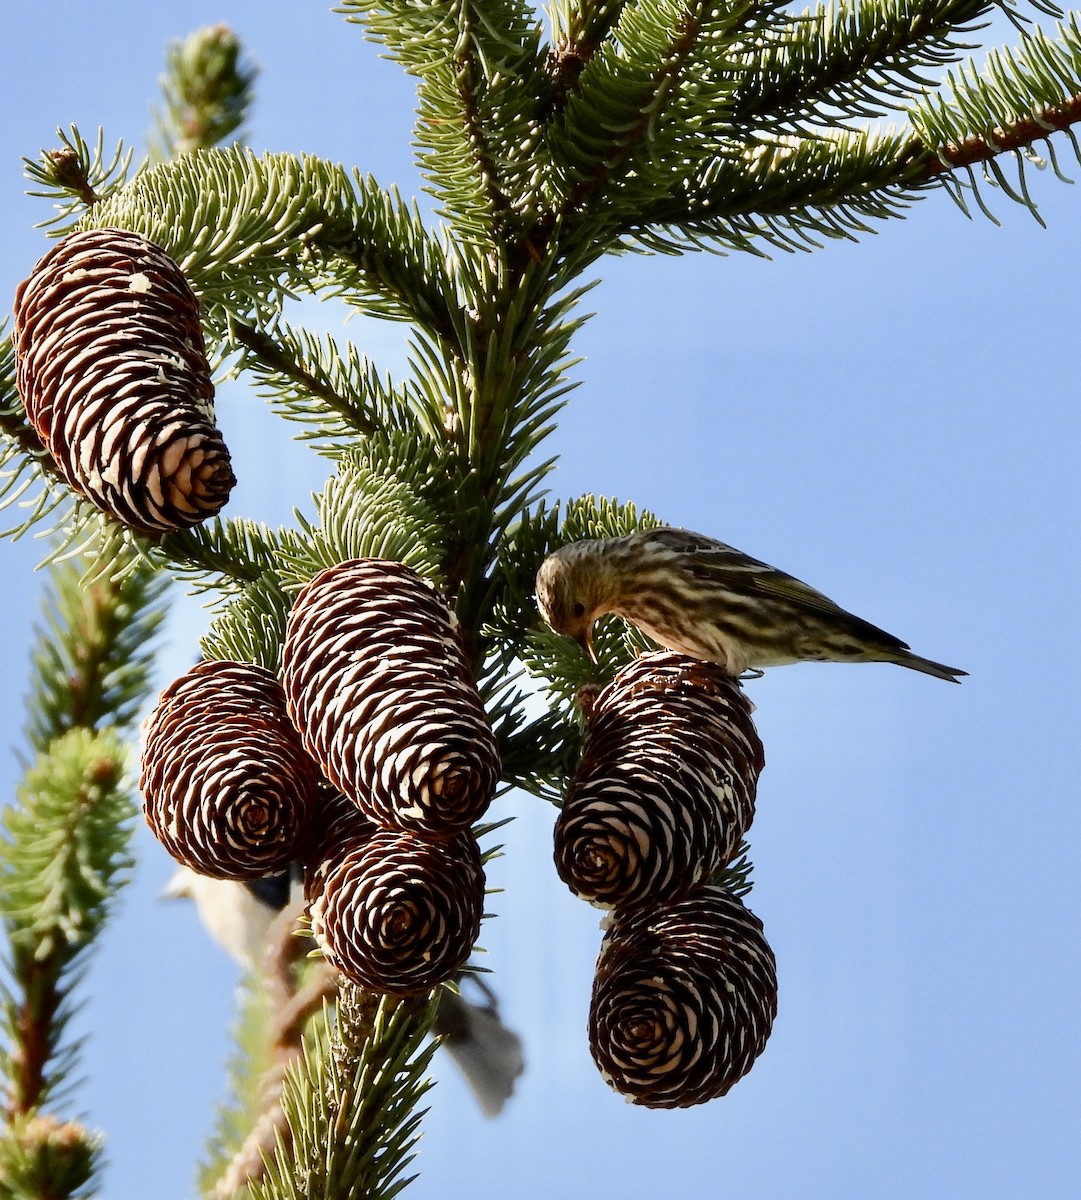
(271,890)
(715,562)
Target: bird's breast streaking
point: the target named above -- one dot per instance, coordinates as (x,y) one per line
(702,598)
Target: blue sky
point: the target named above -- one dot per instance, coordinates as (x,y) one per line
(895,422)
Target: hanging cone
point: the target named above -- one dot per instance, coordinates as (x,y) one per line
(665,789)
(113,374)
(379,688)
(398,912)
(683,1001)
(228,788)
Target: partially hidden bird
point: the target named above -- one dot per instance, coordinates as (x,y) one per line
(240,916)
(699,597)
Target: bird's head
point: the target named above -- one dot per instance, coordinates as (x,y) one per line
(565,595)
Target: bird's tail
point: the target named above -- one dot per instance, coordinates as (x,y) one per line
(488,1054)
(929,667)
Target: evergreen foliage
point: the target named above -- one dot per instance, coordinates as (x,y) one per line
(206,91)
(658,125)
(92,658)
(352,1102)
(64,852)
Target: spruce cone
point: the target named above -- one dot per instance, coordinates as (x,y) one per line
(339,828)
(666,785)
(114,377)
(399,912)
(228,788)
(683,1001)
(379,688)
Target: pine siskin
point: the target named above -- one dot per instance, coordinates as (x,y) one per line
(700,597)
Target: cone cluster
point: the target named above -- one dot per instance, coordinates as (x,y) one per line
(112,370)
(685,989)
(378,684)
(392,871)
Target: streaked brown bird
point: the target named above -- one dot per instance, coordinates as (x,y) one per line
(699,597)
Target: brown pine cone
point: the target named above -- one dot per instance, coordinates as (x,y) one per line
(379,688)
(665,788)
(683,1000)
(398,912)
(338,829)
(114,376)
(229,790)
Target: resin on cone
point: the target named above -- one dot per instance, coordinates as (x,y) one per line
(378,685)
(113,373)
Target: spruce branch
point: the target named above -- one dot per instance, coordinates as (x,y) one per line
(63,853)
(219,554)
(515,350)
(251,626)
(249,230)
(578,29)
(389,265)
(31,481)
(788,192)
(775,165)
(1023,96)
(662,123)
(207,91)
(849,60)
(538,756)
(650,104)
(42,1158)
(92,656)
(281,369)
(382,502)
(332,389)
(480,67)
(64,847)
(351,1102)
(75,176)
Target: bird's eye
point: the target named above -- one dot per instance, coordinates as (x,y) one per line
(579,610)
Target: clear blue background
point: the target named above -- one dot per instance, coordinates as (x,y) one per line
(894,421)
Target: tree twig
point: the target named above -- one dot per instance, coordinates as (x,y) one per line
(1002,140)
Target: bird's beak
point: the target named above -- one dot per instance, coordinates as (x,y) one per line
(585,640)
